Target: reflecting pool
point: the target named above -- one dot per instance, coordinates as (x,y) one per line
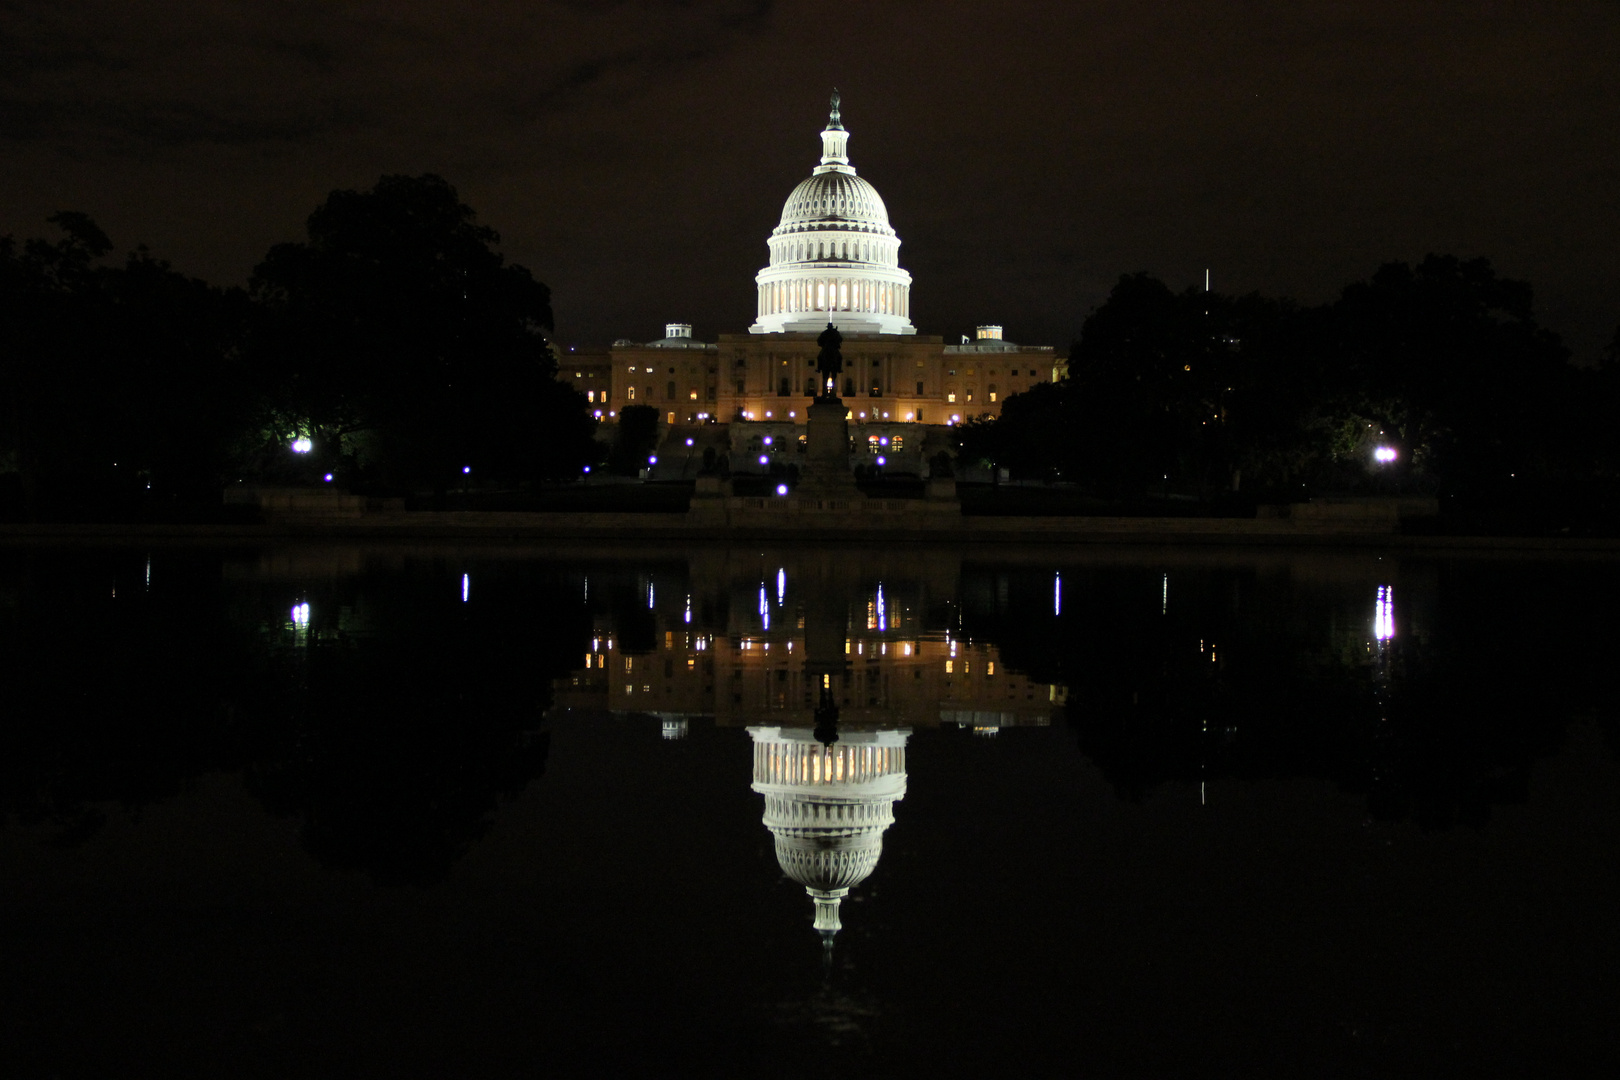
(811,811)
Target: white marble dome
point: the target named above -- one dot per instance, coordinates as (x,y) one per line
(827,200)
(834,258)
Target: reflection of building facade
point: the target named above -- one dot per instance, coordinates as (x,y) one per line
(833,258)
(914,680)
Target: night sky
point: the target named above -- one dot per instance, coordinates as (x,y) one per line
(636,154)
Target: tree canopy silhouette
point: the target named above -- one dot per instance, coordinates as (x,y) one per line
(121,386)
(408,349)
(1443,361)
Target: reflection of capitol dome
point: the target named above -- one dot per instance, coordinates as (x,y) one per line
(828,806)
(834,257)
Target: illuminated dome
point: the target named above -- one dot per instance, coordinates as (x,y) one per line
(834,257)
(828,807)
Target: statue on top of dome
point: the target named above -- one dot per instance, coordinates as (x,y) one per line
(834,121)
(830,361)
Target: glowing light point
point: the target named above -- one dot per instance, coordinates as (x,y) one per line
(465,469)
(1384,455)
(466,586)
(300,614)
(781,489)
(652,459)
(302,445)
(882,460)
(328,478)
(688,442)
(764,459)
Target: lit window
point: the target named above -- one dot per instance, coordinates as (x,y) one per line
(949,666)
(630,393)
(950,397)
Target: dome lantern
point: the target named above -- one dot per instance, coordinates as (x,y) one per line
(835,142)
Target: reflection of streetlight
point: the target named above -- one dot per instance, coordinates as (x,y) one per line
(1384,455)
(1384,613)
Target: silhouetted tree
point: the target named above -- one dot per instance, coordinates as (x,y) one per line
(121,387)
(1191,390)
(400,340)
(1446,360)
(1200,392)
(638,437)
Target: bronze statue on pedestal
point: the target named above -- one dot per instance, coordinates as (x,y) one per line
(830,361)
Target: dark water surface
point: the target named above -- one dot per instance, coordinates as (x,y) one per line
(346,811)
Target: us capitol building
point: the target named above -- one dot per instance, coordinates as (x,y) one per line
(834,258)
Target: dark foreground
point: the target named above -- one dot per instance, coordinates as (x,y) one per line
(480,812)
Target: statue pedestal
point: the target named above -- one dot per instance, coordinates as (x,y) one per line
(826,466)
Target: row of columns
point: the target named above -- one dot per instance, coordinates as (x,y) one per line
(835,294)
(775,763)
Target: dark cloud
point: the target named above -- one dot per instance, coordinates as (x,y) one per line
(635,153)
